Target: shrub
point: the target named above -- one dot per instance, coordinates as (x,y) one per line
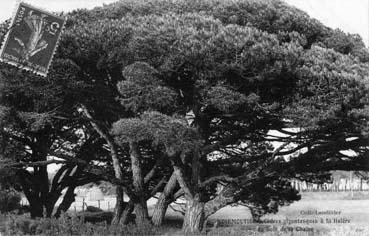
(96,217)
(72,225)
(9,201)
(18,225)
(93,209)
(2,223)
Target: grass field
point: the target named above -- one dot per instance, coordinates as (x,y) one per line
(317,213)
(323,213)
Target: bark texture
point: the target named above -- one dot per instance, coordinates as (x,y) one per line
(127,216)
(139,200)
(194,218)
(165,198)
(224,198)
(68,199)
(119,206)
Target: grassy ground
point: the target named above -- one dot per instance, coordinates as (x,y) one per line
(319,213)
(323,213)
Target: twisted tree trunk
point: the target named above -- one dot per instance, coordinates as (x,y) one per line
(33,193)
(139,200)
(36,207)
(127,214)
(118,172)
(119,206)
(164,200)
(224,198)
(68,199)
(194,217)
(195,209)
(141,212)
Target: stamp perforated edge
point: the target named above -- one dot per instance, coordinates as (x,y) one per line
(64,19)
(28,68)
(14,14)
(41,9)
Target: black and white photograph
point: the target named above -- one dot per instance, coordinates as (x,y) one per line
(184,117)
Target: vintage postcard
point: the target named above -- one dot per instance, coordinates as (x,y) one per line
(185,117)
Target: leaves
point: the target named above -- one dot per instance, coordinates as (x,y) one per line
(161,130)
(225,99)
(142,90)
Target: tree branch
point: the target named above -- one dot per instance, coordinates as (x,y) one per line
(211,180)
(34,164)
(152,172)
(157,187)
(178,167)
(109,140)
(178,194)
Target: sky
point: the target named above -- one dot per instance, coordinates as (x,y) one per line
(349,15)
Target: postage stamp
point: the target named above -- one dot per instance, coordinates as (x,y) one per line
(32,39)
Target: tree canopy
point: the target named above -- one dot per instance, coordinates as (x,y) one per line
(190,91)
